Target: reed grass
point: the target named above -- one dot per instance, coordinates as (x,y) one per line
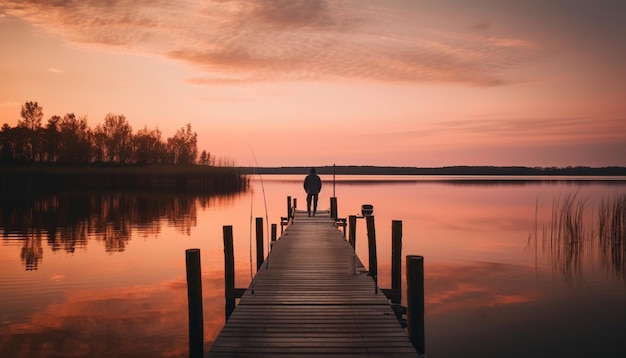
(567,236)
(571,234)
(612,233)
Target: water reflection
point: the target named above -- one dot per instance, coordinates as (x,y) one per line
(146,321)
(501,310)
(65,221)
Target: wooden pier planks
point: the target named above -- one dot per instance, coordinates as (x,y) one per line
(304,302)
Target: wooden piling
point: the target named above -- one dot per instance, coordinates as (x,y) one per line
(229,270)
(273,232)
(259,243)
(352,231)
(289,213)
(415,301)
(396,261)
(194,299)
(371,242)
(333,208)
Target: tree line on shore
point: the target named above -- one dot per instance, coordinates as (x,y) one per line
(449,170)
(69,140)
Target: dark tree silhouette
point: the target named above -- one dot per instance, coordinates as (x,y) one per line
(183,146)
(69,140)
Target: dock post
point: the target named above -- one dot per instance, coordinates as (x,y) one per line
(371,244)
(229,269)
(396,261)
(295,204)
(194,299)
(333,208)
(259,243)
(273,232)
(352,231)
(289,214)
(415,301)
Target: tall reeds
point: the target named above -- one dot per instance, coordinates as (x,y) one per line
(567,235)
(612,233)
(570,235)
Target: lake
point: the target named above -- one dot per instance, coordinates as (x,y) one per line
(514,266)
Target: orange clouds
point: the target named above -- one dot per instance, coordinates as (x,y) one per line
(240,42)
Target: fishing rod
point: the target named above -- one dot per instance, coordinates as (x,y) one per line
(267,220)
(250,241)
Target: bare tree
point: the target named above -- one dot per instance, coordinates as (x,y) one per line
(32,115)
(148,147)
(75,140)
(205,158)
(51,140)
(116,135)
(183,146)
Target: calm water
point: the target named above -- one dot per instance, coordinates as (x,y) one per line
(104,275)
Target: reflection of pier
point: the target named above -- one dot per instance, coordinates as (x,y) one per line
(312,296)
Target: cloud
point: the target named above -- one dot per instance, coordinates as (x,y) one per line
(54,70)
(533,130)
(237,41)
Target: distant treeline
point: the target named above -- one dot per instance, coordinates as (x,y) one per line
(69,140)
(452,170)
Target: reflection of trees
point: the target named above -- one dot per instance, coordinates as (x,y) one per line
(68,220)
(32,252)
(571,235)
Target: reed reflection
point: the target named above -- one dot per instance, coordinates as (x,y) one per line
(66,221)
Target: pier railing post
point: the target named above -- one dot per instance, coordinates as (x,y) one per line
(273,232)
(229,270)
(289,213)
(259,243)
(371,241)
(396,261)
(352,231)
(415,301)
(194,298)
(333,208)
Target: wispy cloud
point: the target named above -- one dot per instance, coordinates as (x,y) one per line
(54,70)
(533,130)
(235,41)
(515,131)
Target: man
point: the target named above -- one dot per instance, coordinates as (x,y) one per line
(312,186)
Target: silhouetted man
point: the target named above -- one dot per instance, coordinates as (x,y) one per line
(312,186)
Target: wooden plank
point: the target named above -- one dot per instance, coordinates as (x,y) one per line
(304,302)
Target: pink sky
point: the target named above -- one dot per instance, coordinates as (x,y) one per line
(387,82)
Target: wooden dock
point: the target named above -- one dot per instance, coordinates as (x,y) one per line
(305,302)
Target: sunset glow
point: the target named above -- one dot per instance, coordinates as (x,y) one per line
(314,82)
